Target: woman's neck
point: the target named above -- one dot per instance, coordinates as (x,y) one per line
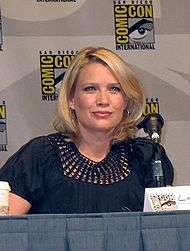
(95,146)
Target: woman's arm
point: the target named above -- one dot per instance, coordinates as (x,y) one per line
(18,205)
(24,171)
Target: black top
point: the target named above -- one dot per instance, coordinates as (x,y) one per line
(51,174)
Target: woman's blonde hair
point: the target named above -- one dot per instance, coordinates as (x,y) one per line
(66,121)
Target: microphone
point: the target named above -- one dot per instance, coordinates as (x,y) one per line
(152,124)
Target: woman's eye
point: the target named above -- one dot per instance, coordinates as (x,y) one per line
(115,89)
(89,89)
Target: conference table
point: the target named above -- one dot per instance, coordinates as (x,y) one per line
(133,231)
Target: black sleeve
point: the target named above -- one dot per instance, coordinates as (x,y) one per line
(25,170)
(142,152)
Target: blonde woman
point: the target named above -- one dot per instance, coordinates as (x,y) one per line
(93,163)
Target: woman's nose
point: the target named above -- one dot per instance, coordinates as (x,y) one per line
(102,98)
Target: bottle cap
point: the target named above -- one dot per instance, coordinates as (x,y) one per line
(4,185)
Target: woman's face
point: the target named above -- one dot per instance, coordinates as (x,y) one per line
(98,100)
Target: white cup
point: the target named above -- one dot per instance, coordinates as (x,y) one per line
(4,197)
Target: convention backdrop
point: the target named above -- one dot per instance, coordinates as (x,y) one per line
(38,39)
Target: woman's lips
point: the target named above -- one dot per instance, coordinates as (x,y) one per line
(103,115)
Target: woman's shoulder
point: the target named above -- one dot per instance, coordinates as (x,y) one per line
(140,141)
(144,145)
(36,148)
(40,142)
(141,148)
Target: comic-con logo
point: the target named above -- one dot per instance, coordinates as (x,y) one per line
(152,106)
(3,127)
(134,25)
(53,67)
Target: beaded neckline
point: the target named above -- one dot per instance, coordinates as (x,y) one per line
(112,169)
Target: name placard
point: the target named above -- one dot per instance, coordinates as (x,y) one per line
(167,199)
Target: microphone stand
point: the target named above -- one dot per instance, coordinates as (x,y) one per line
(158,174)
(152,124)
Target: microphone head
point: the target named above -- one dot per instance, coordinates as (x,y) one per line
(152,124)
